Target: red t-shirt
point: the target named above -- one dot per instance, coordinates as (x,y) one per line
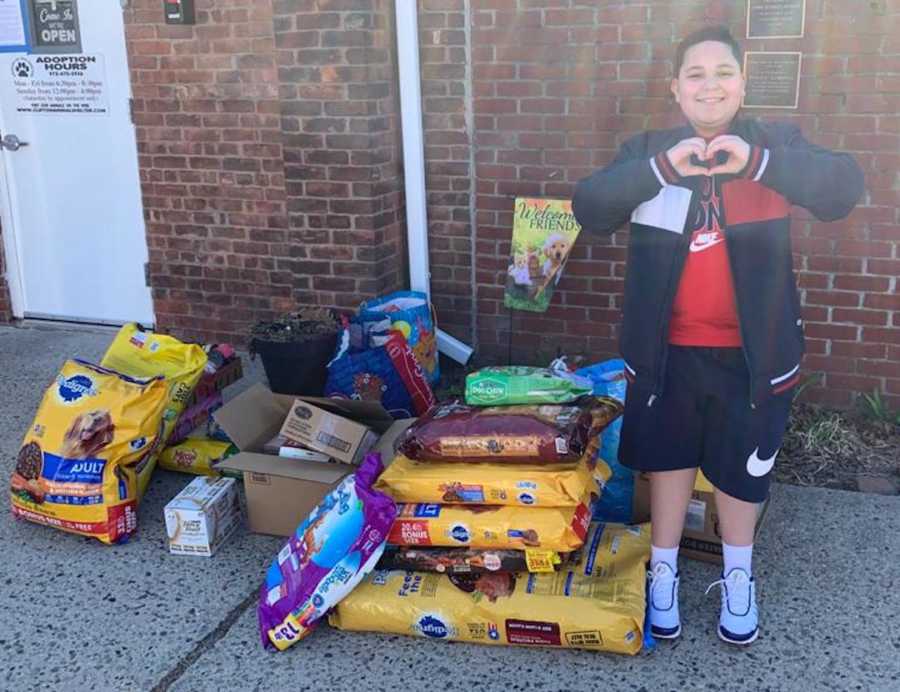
(704,312)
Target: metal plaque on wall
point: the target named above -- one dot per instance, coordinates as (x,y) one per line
(773,79)
(54,26)
(775,18)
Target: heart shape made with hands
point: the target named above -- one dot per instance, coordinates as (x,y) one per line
(720,158)
(726,154)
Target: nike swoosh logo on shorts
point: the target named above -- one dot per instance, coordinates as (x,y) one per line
(700,245)
(757,467)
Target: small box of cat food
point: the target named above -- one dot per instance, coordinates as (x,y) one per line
(328,432)
(200,517)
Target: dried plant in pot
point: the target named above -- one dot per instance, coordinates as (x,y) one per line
(295,349)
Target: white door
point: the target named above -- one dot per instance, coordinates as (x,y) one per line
(73,227)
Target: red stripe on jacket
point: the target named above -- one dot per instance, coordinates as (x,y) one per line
(746,201)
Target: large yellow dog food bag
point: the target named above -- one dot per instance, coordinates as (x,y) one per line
(560,529)
(485,483)
(76,468)
(597,604)
(137,352)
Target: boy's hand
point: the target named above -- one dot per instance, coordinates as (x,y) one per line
(680,156)
(738,154)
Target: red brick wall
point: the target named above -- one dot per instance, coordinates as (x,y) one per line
(558,84)
(340,119)
(211,163)
(449,180)
(268,148)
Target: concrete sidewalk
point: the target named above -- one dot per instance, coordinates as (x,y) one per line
(132,617)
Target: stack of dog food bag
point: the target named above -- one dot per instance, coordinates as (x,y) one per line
(494,527)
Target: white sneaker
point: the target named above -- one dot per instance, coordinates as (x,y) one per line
(739,617)
(662,602)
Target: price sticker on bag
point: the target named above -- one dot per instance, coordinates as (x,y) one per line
(541,560)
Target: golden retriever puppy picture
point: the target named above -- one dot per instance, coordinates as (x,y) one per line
(556,248)
(89,433)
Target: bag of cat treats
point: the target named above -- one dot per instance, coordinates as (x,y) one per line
(597,603)
(471,561)
(138,352)
(560,529)
(486,483)
(77,466)
(197,455)
(328,555)
(517,384)
(548,434)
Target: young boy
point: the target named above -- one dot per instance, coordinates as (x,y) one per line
(712,334)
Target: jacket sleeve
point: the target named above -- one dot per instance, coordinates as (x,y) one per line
(827,183)
(605,199)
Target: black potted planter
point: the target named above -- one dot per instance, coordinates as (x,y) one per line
(295,349)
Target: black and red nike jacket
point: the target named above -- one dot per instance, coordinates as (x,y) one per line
(641,184)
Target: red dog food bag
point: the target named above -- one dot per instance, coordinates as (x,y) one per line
(454,431)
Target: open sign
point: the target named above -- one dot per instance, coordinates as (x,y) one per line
(55,26)
(59,36)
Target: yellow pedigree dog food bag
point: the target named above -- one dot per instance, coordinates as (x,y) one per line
(597,604)
(76,468)
(141,353)
(486,483)
(560,529)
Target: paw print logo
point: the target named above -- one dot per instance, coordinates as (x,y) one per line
(22,68)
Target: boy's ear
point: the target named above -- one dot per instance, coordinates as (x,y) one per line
(673,86)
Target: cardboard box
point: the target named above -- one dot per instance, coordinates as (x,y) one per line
(200,517)
(282,492)
(335,435)
(701,539)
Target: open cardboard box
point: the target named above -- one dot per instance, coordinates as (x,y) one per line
(700,539)
(281,492)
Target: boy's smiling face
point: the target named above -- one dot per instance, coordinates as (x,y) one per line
(709,87)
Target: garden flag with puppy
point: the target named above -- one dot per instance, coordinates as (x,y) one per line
(544,231)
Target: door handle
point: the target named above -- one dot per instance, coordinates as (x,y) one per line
(12,143)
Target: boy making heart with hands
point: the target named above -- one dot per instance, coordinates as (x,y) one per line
(712,334)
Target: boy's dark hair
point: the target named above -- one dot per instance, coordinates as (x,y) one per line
(708,33)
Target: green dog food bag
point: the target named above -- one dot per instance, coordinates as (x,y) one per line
(519,384)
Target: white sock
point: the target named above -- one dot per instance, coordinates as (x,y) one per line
(737,557)
(667,555)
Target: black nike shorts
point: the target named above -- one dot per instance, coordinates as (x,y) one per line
(703,419)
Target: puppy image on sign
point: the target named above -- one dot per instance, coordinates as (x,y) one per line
(556,249)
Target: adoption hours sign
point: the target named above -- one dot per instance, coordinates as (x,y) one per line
(60,84)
